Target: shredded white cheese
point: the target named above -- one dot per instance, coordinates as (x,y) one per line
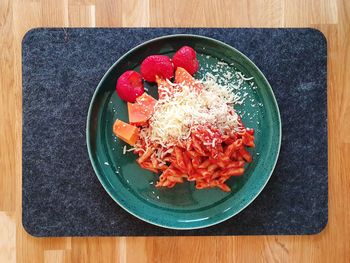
(243,77)
(175,115)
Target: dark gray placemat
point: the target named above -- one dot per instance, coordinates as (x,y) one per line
(63,197)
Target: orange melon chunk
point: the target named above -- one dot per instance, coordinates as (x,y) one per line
(126,132)
(140,111)
(164,87)
(182,76)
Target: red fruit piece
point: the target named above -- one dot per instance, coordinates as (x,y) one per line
(129,86)
(186,58)
(157,65)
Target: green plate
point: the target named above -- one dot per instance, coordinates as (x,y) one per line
(183,207)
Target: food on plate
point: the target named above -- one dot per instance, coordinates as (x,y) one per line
(186,58)
(126,132)
(183,77)
(191,133)
(140,111)
(164,87)
(129,86)
(157,65)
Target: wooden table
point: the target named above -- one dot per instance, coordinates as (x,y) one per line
(331,17)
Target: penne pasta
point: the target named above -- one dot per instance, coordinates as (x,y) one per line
(208,164)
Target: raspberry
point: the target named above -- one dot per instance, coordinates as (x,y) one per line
(129,86)
(186,58)
(157,65)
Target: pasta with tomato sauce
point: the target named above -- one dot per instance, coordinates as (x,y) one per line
(192,133)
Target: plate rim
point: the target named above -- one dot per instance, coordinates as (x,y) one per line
(88,135)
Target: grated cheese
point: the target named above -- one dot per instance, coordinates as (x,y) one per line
(177,114)
(124,149)
(243,77)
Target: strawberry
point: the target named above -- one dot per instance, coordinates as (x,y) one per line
(129,86)
(157,65)
(186,58)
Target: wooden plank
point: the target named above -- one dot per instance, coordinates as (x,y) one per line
(218,13)
(108,13)
(7,237)
(135,13)
(7,100)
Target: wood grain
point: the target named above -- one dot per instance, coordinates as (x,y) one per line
(331,17)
